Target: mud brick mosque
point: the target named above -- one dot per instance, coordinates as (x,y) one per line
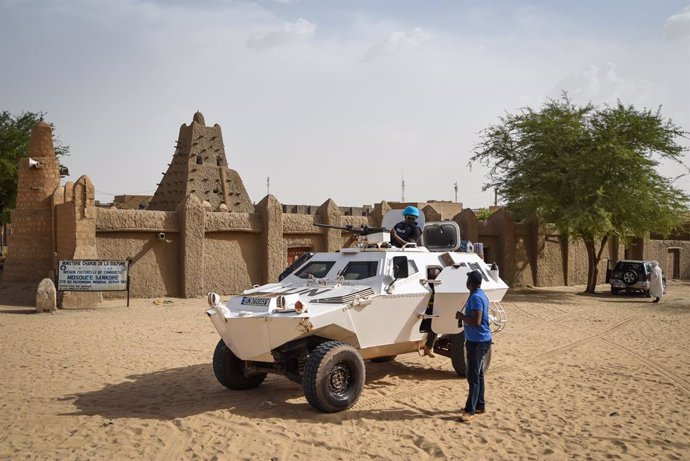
(200,231)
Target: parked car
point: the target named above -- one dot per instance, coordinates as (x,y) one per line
(631,276)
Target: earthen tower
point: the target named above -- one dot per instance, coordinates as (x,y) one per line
(31,243)
(199,167)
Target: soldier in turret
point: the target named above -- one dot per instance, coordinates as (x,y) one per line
(407,231)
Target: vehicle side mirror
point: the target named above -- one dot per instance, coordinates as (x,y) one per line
(400,267)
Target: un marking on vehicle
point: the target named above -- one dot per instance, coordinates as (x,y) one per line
(246,301)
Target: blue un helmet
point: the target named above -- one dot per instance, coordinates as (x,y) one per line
(411,211)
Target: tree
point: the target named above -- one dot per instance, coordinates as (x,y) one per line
(589,170)
(15,132)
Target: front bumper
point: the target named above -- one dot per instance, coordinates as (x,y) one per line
(252,337)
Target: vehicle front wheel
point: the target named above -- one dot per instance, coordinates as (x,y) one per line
(333,376)
(458,355)
(229,370)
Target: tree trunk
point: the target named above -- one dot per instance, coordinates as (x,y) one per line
(593,259)
(592,267)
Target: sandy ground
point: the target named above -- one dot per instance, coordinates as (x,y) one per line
(572,376)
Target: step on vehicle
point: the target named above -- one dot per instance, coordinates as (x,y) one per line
(332,311)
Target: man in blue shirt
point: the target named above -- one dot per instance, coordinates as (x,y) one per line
(477,344)
(407,231)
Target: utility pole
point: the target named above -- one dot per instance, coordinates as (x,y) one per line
(455,186)
(402,185)
(495,197)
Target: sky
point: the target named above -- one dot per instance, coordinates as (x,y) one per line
(340,99)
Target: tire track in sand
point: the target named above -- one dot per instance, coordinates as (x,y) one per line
(174,444)
(669,374)
(367,403)
(570,346)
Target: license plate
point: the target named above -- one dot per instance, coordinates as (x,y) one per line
(246,301)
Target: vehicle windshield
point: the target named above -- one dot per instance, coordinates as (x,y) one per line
(358,270)
(317,269)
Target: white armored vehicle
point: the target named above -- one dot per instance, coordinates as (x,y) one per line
(331,311)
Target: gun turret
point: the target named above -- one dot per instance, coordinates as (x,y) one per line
(362,230)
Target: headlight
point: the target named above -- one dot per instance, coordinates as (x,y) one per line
(299,307)
(213,299)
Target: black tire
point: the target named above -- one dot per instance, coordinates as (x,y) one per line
(229,370)
(646,294)
(457,354)
(333,377)
(383,359)
(458,359)
(630,277)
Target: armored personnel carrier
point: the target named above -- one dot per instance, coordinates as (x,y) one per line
(332,311)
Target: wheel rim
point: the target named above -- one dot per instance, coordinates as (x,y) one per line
(339,379)
(629,277)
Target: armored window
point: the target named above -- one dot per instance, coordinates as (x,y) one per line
(318,269)
(411,267)
(199,160)
(439,237)
(359,270)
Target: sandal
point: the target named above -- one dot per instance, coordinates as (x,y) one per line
(466,418)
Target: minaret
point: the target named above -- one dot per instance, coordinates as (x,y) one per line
(199,167)
(31,244)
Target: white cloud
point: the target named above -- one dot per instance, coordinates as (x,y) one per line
(604,84)
(678,25)
(290,31)
(398,43)
(291,114)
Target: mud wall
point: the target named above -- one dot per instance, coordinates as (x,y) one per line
(664,251)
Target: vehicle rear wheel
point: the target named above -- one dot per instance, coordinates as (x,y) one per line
(229,370)
(458,356)
(333,377)
(383,359)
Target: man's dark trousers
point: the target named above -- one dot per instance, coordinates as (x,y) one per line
(475,374)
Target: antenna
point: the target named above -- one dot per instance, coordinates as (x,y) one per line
(402,185)
(268,185)
(455,186)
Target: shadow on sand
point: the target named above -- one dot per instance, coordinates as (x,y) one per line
(548,296)
(537,295)
(193,390)
(18,295)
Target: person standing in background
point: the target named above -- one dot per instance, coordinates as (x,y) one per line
(656,282)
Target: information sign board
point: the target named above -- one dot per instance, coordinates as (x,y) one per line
(92,275)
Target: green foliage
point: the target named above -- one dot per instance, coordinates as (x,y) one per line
(591,171)
(483,213)
(15,132)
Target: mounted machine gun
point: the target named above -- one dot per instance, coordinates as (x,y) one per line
(365,235)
